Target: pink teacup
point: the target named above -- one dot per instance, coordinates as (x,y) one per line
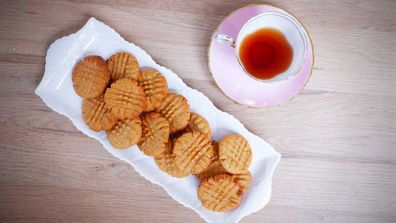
(282,22)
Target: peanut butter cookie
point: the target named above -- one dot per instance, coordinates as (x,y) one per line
(155,134)
(175,108)
(193,152)
(90,77)
(155,88)
(96,116)
(125,133)
(123,64)
(219,193)
(235,153)
(125,98)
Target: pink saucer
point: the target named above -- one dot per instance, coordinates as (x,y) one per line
(239,86)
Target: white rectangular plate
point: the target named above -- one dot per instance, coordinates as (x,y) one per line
(57,92)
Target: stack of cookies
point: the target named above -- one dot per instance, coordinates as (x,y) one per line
(134,106)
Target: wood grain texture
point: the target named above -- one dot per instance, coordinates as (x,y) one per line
(337,138)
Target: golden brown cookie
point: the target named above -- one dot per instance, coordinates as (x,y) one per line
(219,193)
(96,116)
(125,133)
(155,134)
(175,108)
(244,180)
(198,123)
(155,88)
(193,152)
(90,77)
(123,64)
(166,162)
(125,98)
(235,153)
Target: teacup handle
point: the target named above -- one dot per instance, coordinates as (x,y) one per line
(225,39)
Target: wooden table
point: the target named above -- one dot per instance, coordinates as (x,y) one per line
(337,138)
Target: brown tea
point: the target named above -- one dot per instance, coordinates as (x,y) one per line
(265,53)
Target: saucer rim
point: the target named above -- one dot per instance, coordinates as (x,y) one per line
(263,106)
